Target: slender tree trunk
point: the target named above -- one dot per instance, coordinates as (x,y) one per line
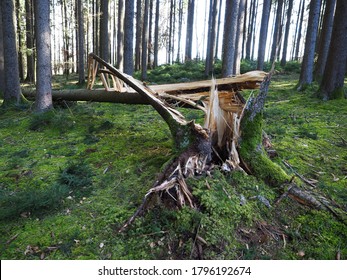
(218,29)
(12,92)
(263,33)
(239,34)
(144,41)
(254,28)
(120,34)
(169,41)
(189,35)
(2,66)
(306,74)
(325,39)
(332,85)
(230,22)
(29,41)
(104,36)
(20,41)
(138,35)
(297,49)
(80,17)
(43,101)
(211,37)
(150,37)
(277,34)
(156,34)
(128,37)
(286,37)
(251,23)
(180,23)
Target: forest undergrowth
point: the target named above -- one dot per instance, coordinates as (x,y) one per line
(70,178)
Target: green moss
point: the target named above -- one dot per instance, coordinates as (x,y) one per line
(252,152)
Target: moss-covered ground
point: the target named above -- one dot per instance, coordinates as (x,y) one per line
(69,179)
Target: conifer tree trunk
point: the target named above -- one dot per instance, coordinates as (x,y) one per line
(332,85)
(2,69)
(325,39)
(306,74)
(297,49)
(263,33)
(238,39)
(211,37)
(104,36)
(144,41)
(180,23)
(156,33)
(128,37)
(138,35)
(218,29)
(286,36)
(277,34)
(189,34)
(12,91)
(120,34)
(20,41)
(29,41)
(230,28)
(80,17)
(251,23)
(43,100)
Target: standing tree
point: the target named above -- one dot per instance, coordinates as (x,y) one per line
(211,39)
(263,33)
(306,74)
(334,74)
(80,18)
(43,99)
(229,44)
(138,34)
(189,34)
(2,70)
(120,35)
(325,38)
(128,37)
(104,37)
(286,36)
(144,41)
(238,39)
(156,34)
(29,41)
(277,31)
(12,91)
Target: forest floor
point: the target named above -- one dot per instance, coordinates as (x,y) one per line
(69,179)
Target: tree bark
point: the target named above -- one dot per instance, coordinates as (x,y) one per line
(277,34)
(81,75)
(144,41)
(306,74)
(120,35)
(128,37)
(332,85)
(238,39)
(189,34)
(43,101)
(230,28)
(2,68)
(104,36)
(325,39)
(20,41)
(138,35)
(286,36)
(30,41)
(211,41)
(297,49)
(12,92)
(156,33)
(263,33)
